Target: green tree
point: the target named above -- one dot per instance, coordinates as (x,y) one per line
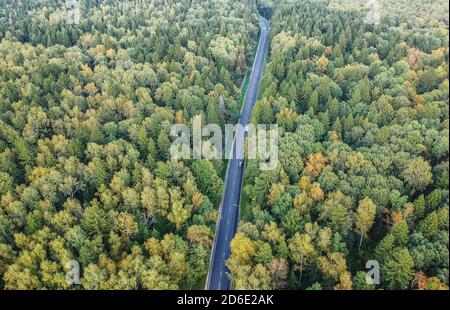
(398,270)
(417,174)
(365,216)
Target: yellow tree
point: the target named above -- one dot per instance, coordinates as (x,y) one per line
(178,214)
(242,248)
(315,164)
(365,216)
(334,266)
(200,234)
(322,64)
(149,202)
(316,192)
(275,191)
(302,202)
(126,225)
(197,200)
(302,251)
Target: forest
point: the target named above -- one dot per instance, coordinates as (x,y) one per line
(85,112)
(363,112)
(86,173)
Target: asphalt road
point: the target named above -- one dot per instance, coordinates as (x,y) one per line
(218,278)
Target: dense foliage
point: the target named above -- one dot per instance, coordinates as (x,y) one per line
(85,171)
(85,113)
(364,127)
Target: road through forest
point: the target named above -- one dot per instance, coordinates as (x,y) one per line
(217,278)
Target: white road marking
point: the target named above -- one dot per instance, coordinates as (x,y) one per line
(220,282)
